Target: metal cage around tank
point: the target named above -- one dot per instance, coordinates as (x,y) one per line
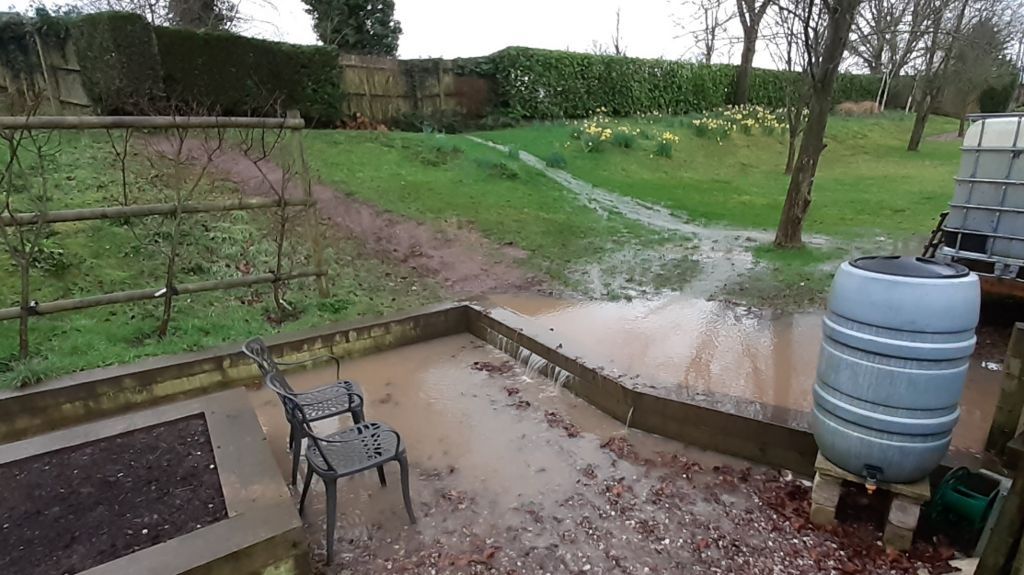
(984,229)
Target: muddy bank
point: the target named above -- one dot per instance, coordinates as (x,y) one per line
(462,260)
(513,475)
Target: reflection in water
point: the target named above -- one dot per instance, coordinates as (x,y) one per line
(712,347)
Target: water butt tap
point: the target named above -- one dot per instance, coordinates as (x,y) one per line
(871,473)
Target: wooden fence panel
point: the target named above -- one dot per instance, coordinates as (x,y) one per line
(383,88)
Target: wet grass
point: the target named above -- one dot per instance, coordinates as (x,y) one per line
(90,258)
(451,180)
(787,279)
(867,183)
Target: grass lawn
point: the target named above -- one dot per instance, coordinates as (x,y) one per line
(451,179)
(867,184)
(89,258)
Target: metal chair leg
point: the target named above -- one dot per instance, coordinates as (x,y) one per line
(403,464)
(383,478)
(296,451)
(291,437)
(305,488)
(358,416)
(331,486)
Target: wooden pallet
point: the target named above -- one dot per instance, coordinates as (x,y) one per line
(904,511)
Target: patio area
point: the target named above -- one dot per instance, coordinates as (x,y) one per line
(513,474)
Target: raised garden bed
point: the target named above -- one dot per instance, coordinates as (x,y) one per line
(69,510)
(184,488)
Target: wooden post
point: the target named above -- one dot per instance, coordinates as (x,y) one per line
(1011,397)
(1007,528)
(315,239)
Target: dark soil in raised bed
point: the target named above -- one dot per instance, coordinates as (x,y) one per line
(69,510)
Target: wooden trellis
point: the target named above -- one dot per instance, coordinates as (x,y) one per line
(13,222)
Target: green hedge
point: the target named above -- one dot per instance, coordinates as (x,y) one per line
(551,84)
(223,73)
(120,63)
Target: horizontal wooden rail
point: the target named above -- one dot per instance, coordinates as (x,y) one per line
(148,294)
(108,122)
(118,212)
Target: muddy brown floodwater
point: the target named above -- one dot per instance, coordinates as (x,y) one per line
(717,349)
(513,475)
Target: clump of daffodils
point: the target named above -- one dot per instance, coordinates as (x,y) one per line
(664,144)
(592,134)
(723,122)
(668,137)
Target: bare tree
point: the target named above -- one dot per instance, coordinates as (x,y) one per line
(706,24)
(191,14)
(750,14)
(788,46)
(946,36)
(25,187)
(259,147)
(617,47)
(975,63)
(887,35)
(1016,22)
(822,70)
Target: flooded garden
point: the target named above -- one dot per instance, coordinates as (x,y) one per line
(514,474)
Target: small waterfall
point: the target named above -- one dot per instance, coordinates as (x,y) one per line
(535,365)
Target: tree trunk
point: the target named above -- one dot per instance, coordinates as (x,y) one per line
(172,262)
(923,109)
(23,269)
(791,152)
(798,196)
(962,128)
(279,241)
(742,94)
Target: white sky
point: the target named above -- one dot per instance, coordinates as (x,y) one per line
(453,28)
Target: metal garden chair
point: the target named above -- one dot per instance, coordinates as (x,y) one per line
(318,404)
(365,446)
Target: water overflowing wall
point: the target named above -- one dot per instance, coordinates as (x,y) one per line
(535,365)
(771,443)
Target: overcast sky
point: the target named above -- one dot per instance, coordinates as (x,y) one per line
(452,28)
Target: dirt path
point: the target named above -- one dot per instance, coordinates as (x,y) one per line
(462,260)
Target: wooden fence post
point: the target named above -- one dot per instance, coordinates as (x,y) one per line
(1007,528)
(1011,397)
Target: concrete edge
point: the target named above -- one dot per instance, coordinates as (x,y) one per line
(97,393)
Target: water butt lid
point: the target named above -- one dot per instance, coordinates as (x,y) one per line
(910,267)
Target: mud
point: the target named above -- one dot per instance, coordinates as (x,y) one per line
(512,475)
(717,349)
(461,259)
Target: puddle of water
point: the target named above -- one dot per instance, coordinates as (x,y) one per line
(452,415)
(480,465)
(713,348)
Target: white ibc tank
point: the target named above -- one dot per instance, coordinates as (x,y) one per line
(986,217)
(898,337)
